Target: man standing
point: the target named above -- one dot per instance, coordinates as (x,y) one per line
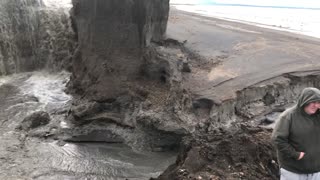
(297,138)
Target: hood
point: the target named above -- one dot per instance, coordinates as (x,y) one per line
(308,95)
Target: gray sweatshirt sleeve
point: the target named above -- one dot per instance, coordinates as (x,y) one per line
(280,138)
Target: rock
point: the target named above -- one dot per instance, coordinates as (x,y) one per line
(194,161)
(86,109)
(269,99)
(61,143)
(186,67)
(35,120)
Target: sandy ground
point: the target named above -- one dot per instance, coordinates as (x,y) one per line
(231,56)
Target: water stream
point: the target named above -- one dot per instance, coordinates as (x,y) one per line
(30,156)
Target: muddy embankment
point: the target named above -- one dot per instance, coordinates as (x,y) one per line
(242,149)
(128,84)
(126,87)
(38,140)
(134,94)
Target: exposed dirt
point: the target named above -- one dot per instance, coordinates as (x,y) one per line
(244,154)
(133,87)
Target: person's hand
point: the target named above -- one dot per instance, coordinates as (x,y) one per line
(301,155)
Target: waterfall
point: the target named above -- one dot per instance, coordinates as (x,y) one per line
(34,35)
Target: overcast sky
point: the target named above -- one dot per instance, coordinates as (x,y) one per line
(285,3)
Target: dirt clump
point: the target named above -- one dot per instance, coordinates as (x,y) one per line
(246,153)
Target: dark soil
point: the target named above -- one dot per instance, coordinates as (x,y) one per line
(243,154)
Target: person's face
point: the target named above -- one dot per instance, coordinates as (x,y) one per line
(312,107)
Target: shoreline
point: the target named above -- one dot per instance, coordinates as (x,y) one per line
(272,28)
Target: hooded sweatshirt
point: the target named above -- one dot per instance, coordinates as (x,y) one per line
(295,132)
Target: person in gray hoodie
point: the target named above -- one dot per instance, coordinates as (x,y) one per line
(297,138)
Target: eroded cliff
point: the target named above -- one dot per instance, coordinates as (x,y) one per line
(124,76)
(113,38)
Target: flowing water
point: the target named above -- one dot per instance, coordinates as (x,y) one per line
(30,156)
(37,34)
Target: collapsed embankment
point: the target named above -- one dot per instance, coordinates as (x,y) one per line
(130,84)
(241,148)
(129,87)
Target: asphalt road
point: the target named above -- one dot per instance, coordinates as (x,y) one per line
(232,56)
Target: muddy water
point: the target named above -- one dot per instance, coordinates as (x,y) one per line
(31,156)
